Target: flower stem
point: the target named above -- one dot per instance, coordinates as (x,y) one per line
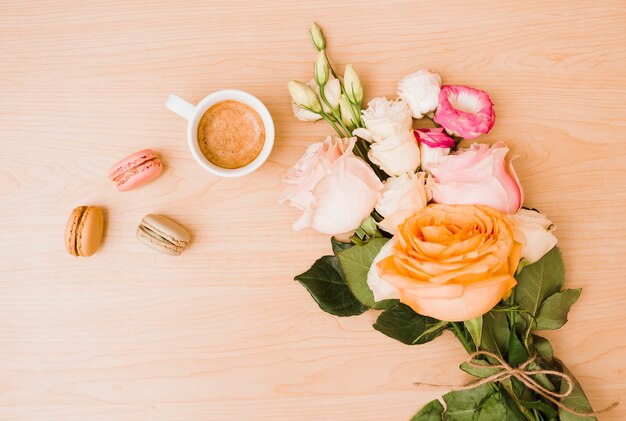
(334,113)
(462,337)
(332,123)
(330,66)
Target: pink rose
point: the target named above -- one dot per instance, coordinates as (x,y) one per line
(464,111)
(434,145)
(335,189)
(479,175)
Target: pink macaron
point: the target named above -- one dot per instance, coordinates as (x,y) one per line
(136,170)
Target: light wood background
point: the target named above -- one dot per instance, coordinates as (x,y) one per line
(223,332)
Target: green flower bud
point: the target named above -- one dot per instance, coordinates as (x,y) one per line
(317,37)
(352,85)
(322,69)
(303,96)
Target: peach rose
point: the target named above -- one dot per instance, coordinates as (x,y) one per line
(453,262)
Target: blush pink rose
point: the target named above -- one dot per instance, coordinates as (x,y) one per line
(479,175)
(334,189)
(464,111)
(434,145)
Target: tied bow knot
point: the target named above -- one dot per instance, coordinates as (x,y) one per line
(524,375)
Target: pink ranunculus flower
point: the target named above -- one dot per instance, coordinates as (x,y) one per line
(434,145)
(464,111)
(335,189)
(479,175)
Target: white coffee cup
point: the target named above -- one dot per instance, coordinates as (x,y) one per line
(193,114)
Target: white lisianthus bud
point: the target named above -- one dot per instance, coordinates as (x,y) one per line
(534,232)
(322,69)
(347,116)
(421,91)
(304,96)
(352,85)
(332,92)
(400,198)
(317,37)
(304,114)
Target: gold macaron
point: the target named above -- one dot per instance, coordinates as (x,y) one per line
(83,232)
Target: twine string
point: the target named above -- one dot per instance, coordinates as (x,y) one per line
(524,375)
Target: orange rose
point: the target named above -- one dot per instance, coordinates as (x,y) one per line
(453,262)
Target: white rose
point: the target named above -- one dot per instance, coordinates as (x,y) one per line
(332,90)
(421,91)
(534,232)
(397,154)
(401,197)
(382,289)
(432,156)
(384,118)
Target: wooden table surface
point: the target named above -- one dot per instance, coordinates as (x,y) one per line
(223,332)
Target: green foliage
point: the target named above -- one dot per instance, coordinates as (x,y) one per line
(484,403)
(355,264)
(553,311)
(432,411)
(339,245)
(326,284)
(403,324)
(577,400)
(543,347)
(475,329)
(496,332)
(537,282)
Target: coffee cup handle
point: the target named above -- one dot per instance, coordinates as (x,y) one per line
(181,107)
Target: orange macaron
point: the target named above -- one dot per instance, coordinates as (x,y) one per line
(83,232)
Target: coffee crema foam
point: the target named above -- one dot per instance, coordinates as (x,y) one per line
(231,134)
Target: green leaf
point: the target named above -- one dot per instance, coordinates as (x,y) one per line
(485,369)
(513,412)
(355,263)
(325,283)
(403,324)
(542,379)
(339,245)
(517,351)
(538,281)
(543,347)
(467,405)
(518,355)
(464,404)
(432,411)
(540,406)
(576,400)
(475,328)
(493,408)
(495,336)
(553,311)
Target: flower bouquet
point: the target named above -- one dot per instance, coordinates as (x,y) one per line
(435,237)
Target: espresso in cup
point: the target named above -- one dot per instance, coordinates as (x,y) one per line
(231,134)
